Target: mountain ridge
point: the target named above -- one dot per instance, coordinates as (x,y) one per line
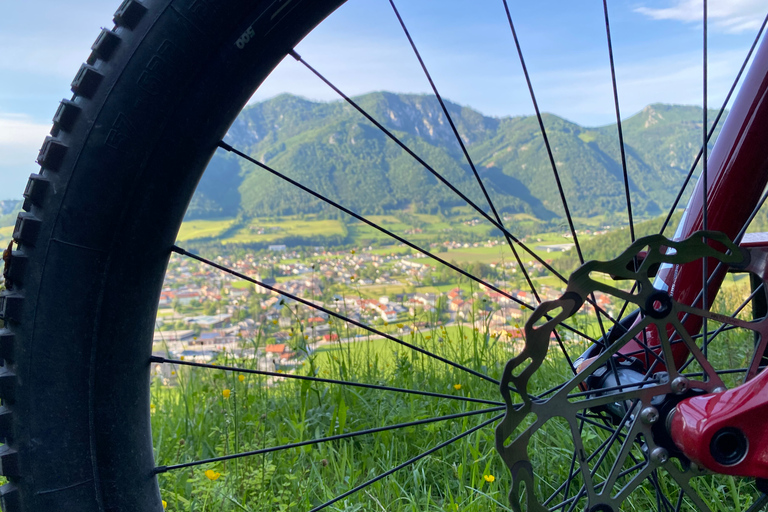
(334,150)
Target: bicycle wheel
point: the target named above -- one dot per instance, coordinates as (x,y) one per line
(151,105)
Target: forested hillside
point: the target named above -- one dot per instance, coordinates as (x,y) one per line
(333,149)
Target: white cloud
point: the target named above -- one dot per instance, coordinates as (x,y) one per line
(19,131)
(730,16)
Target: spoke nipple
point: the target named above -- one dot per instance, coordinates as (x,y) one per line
(659,455)
(649,415)
(295,55)
(679,385)
(226,147)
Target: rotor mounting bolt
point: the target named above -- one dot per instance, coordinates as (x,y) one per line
(679,385)
(649,415)
(659,455)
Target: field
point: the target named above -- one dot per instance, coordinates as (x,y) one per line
(211,413)
(228,231)
(193,229)
(421,229)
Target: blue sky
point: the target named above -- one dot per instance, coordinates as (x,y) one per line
(466,44)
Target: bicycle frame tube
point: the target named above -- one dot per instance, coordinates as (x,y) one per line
(737,174)
(719,430)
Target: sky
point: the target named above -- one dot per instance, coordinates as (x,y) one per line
(466,44)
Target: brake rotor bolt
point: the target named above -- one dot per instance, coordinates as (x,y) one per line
(679,385)
(649,415)
(659,455)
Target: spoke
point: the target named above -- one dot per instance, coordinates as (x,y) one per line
(437,175)
(704,188)
(626,446)
(725,326)
(729,371)
(679,501)
(661,499)
(544,134)
(618,123)
(614,388)
(164,469)
(334,314)
(429,168)
(572,472)
(634,481)
(463,147)
(589,403)
(697,353)
(568,215)
(406,463)
(628,438)
(349,212)
(588,419)
(712,129)
(158,359)
(405,241)
(598,487)
(685,488)
(723,319)
(759,504)
(571,467)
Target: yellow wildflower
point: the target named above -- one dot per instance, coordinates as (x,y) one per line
(241,378)
(352,251)
(489,478)
(400,325)
(182,358)
(212,475)
(226,393)
(428,337)
(152,409)
(457,387)
(165,504)
(274,322)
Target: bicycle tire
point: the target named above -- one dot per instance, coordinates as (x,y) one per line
(157,93)
(126,152)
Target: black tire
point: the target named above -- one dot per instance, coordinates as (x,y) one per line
(124,157)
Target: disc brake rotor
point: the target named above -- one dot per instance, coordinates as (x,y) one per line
(635,402)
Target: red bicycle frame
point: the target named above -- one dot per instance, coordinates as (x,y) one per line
(703,427)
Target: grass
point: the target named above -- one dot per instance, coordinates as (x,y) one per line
(290,227)
(191,230)
(200,414)
(259,230)
(215,412)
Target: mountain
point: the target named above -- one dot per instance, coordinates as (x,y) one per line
(334,150)
(331,148)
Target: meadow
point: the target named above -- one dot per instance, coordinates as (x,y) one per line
(202,413)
